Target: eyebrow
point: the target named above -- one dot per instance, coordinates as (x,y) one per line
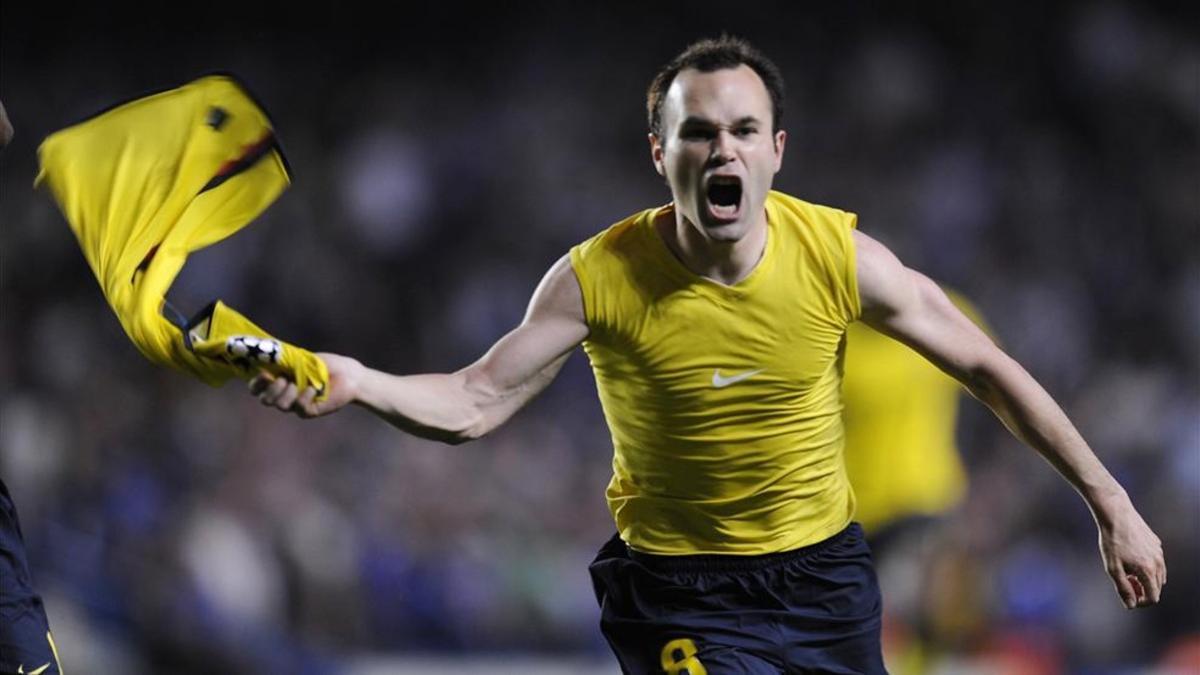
(700,121)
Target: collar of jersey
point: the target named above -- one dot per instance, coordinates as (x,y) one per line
(676,267)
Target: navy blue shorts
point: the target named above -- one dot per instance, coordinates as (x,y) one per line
(25,642)
(812,610)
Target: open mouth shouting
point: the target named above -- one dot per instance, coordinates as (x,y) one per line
(723,196)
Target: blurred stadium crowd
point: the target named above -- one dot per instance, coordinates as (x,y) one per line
(1041,159)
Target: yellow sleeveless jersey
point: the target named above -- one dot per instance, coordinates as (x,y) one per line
(724,402)
(900,424)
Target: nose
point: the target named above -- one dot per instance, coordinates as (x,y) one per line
(721,151)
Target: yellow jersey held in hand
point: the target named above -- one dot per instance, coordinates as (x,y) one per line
(148,182)
(724,402)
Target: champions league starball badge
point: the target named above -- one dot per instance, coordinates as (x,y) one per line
(246,350)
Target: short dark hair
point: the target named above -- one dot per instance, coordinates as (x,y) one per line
(709,55)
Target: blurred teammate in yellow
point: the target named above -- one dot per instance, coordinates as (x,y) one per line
(900,414)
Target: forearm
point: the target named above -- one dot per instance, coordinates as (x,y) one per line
(435,406)
(930,323)
(1035,418)
(461,406)
(908,306)
(452,408)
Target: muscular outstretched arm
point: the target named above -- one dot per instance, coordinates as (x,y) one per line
(464,405)
(911,308)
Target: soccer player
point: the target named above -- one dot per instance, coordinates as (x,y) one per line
(26,645)
(714,326)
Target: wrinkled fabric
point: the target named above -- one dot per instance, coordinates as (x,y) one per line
(145,184)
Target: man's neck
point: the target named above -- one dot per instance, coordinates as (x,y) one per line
(726,262)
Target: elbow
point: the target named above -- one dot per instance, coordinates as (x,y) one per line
(981,384)
(983,379)
(461,437)
(474,428)
(455,430)
(473,421)
(449,436)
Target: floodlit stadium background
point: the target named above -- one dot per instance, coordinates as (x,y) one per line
(1043,160)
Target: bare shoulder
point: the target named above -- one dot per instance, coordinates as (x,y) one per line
(883,281)
(871,257)
(558,295)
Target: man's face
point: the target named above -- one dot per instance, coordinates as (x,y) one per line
(717,150)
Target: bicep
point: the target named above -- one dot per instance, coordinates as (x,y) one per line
(910,307)
(532,353)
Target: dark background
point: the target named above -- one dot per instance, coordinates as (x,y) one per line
(1041,158)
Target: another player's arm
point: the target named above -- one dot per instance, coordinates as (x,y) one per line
(467,404)
(911,308)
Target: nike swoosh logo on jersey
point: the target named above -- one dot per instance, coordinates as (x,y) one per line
(39,671)
(720,382)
